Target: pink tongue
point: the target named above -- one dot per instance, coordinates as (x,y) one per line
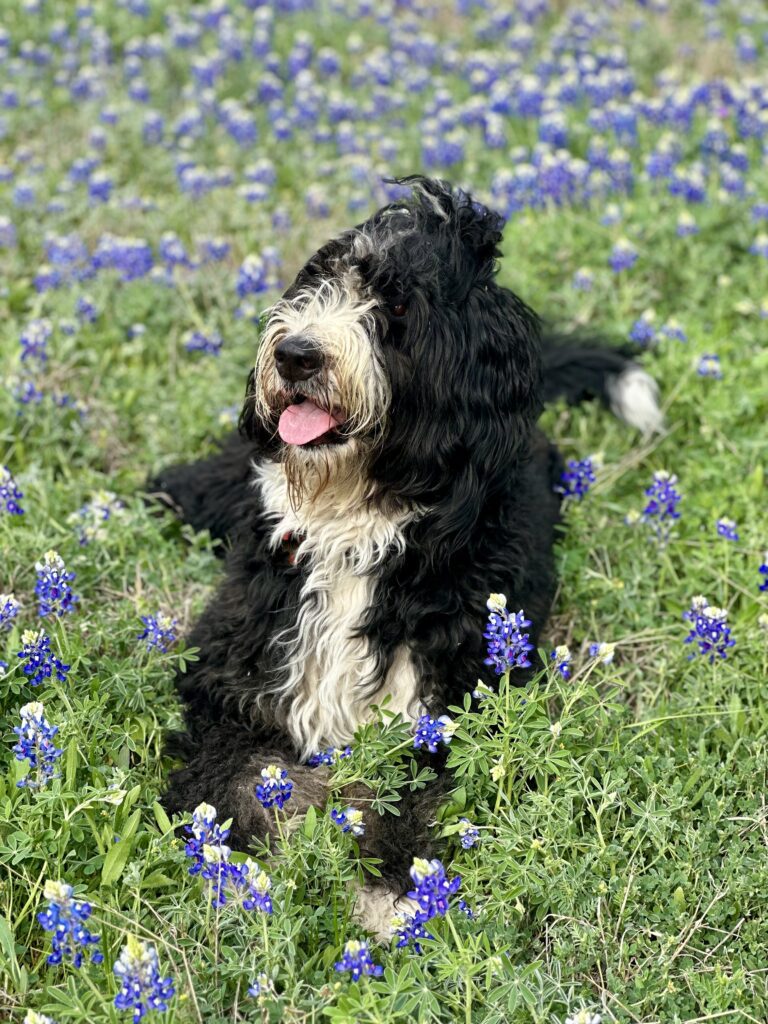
(302,423)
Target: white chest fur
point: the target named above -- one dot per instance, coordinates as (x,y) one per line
(328,671)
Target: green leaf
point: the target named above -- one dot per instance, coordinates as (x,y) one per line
(162,819)
(310,822)
(117,856)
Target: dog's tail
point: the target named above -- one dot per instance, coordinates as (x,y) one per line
(581,369)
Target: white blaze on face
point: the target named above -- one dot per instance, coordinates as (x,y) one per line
(339,319)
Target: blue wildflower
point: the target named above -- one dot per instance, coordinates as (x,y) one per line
(508,645)
(578,476)
(410,931)
(469,834)
(262,986)
(562,659)
(9,609)
(34,340)
(86,310)
(710,629)
(275,788)
(142,987)
(686,225)
(197,341)
(432,888)
(349,820)
(661,510)
(709,366)
(623,256)
(357,960)
(159,632)
(10,494)
(66,919)
(674,330)
(429,732)
(36,746)
(329,756)
(727,528)
(583,280)
(643,330)
(253,886)
(90,518)
(760,246)
(54,594)
(31,1017)
(41,663)
(251,277)
(763,570)
(603,652)
(204,831)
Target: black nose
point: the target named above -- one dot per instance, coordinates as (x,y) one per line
(297,358)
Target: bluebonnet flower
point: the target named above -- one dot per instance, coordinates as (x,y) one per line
(34,340)
(356,959)
(251,277)
(432,891)
(643,329)
(349,820)
(275,788)
(207,849)
(603,652)
(252,885)
(9,609)
(41,663)
(261,986)
(468,833)
(674,330)
(329,756)
(214,249)
(578,476)
(142,987)
(760,246)
(686,224)
(623,256)
(562,659)
(710,629)
(89,520)
(159,632)
(727,528)
(662,507)
(583,280)
(429,732)
(709,366)
(32,1017)
(508,645)
(86,309)
(196,341)
(482,691)
(410,931)
(8,237)
(132,257)
(36,746)
(763,570)
(53,590)
(66,918)
(10,494)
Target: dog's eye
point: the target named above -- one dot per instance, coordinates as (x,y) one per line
(399,309)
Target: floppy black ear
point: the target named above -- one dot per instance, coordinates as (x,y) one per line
(476,228)
(465,397)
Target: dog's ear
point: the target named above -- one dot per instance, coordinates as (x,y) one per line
(477,228)
(465,397)
(248,424)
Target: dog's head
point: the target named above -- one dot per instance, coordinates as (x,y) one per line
(395,356)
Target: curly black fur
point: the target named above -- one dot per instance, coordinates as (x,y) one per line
(464,370)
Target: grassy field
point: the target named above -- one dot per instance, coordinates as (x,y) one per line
(622,863)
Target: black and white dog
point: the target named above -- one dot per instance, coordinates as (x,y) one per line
(388,475)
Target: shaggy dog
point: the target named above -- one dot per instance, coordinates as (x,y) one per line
(388,474)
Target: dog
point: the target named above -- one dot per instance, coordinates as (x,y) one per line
(387,475)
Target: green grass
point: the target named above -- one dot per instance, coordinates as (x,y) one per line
(623,865)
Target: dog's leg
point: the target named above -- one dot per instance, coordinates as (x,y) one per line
(224,767)
(212,494)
